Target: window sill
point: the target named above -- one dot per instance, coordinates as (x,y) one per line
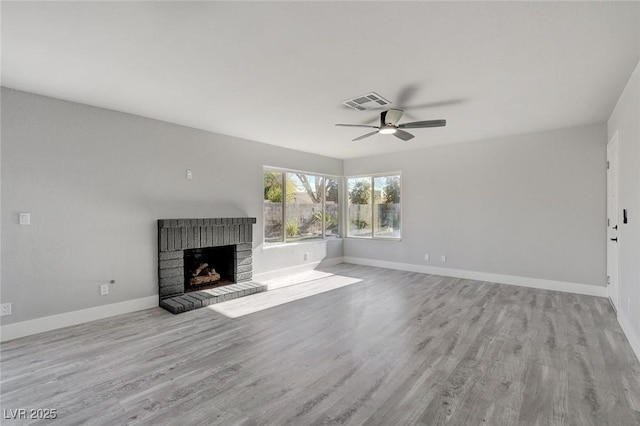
(268,246)
(355,237)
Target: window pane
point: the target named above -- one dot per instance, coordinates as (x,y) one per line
(273,229)
(387,206)
(332,208)
(304,207)
(359,211)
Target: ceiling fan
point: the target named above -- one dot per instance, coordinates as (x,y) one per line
(389,125)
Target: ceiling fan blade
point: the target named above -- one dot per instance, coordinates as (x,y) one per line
(365,136)
(373,120)
(401,134)
(357,125)
(422,124)
(393,116)
(406,94)
(433,104)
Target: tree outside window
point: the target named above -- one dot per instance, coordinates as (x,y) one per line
(310,209)
(374,206)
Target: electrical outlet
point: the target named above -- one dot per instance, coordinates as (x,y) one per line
(25,218)
(443,259)
(189,174)
(426,256)
(5,309)
(104,289)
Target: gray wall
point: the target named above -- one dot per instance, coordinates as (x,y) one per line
(531,205)
(626,120)
(95,182)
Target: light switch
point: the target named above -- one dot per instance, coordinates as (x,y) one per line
(25,218)
(189,174)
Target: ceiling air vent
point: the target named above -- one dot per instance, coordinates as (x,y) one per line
(366,102)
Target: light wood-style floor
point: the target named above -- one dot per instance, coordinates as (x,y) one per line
(395,348)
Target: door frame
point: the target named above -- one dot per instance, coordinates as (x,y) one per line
(613,220)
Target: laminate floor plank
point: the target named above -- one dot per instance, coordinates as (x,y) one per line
(365,346)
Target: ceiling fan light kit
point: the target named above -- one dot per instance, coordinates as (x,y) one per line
(389,125)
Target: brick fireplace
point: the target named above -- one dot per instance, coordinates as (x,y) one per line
(223,243)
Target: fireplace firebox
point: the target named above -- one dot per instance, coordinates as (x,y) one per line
(208,267)
(204,261)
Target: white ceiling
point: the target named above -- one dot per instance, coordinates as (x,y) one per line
(276,72)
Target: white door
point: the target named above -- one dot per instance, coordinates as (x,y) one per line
(613,219)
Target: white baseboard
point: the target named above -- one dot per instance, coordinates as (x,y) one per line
(589,290)
(264,276)
(632,337)
(40,325)
(53,322)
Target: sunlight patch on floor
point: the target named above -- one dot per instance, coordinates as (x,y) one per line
(284,290)
(296,279)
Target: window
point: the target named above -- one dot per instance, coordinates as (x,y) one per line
(374,206)
(299,206)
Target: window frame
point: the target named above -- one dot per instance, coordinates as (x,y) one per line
(324,237)
(371,177)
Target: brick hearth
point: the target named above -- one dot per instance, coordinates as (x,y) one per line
(200,299)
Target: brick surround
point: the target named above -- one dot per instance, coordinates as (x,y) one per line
(177,235)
